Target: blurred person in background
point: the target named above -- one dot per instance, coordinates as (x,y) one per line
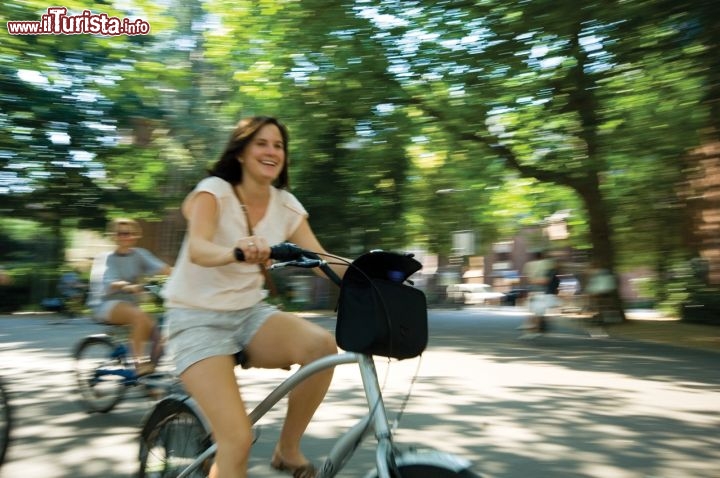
(541,278)
(70,285)
(600,288)
(116,287)
(71,290)
(216,305)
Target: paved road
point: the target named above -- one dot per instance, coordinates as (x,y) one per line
(561,406)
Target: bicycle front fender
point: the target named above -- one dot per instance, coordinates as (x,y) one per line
(430,463)
(432,457)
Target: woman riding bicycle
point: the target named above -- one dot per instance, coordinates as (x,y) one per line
(115,287)
(215,304)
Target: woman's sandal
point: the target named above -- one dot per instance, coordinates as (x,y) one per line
(306,470)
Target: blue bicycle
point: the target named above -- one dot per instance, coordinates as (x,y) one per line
(104,368)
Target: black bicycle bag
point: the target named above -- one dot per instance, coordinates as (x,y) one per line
(378,312)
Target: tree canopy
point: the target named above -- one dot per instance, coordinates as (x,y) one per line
(521,109)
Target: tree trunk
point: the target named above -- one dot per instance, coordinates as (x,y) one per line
(603,253)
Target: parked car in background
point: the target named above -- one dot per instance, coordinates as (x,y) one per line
(474,294)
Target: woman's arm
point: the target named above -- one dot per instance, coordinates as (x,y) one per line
(306,239)
(202,215)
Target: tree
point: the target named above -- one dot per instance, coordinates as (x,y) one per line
(386,106)
(543,86)
(319,69)
(56,111)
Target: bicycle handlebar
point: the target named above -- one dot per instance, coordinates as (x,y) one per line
(289,254)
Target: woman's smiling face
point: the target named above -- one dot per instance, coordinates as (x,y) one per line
(264,156)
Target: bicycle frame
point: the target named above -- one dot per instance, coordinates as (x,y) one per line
(376,418)
(389,462)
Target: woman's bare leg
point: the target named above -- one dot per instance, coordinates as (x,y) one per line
(283,340)
(211,382)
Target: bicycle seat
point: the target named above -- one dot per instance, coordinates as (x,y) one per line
(241,358)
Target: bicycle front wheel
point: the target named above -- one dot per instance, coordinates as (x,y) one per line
(5,421)
(434,471)
(100,373)
(429,464)
(172,437)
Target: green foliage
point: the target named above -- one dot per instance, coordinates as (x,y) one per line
(29,284)
(702,306)
(520,109)
(56,110)
(545,87)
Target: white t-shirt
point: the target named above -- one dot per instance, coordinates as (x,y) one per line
(238,285)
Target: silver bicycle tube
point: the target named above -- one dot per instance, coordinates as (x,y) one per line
(383,434)
(343,448)
(375,420)
(198,461)
(303,373)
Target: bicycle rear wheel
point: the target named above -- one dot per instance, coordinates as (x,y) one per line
(101,374)
(172,437)
(5,421)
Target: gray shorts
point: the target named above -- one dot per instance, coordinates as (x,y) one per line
(197,334)
(101,313)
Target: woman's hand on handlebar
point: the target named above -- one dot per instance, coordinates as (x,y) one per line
(289,254)
(255,249)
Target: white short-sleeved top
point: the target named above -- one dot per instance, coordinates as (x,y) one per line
(238,285)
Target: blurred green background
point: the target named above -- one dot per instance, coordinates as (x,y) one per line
(409,121)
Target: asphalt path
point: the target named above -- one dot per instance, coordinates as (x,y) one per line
(566,405)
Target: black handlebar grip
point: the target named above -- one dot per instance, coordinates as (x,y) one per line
(239,254)
(285,251)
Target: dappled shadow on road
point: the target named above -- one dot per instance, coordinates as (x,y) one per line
(566,430)
(567,405)
(53,436)
(52,431)
(649,361)
(561,406)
